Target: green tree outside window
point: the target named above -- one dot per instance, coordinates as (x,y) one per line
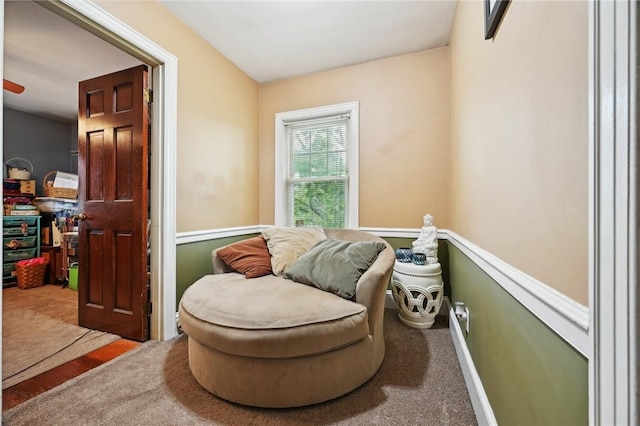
(318,173)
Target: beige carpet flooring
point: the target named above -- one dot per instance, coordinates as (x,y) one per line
(40,331)
(419,383)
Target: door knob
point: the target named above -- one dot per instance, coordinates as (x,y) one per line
(80,216)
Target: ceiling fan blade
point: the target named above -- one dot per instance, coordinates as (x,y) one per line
(12,87)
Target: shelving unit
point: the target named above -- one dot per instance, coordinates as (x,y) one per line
(69,252)
(54,259)
(21,240)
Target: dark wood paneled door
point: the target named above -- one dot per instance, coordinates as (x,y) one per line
(113,148)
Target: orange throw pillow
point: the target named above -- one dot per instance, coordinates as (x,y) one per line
(249,257)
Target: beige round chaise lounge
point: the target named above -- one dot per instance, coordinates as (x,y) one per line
(272,342)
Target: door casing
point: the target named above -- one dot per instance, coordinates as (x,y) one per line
(163,145)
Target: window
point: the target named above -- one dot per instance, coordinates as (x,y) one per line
(317,167)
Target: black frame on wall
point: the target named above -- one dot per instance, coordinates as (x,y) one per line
(493,12)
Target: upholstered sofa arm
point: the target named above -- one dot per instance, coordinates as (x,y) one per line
(371,288)
(219,267)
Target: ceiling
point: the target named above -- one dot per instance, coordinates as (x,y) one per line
(269,40)
(49,56)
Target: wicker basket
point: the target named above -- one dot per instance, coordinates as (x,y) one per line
(20,173)
(30,276)
(51,191)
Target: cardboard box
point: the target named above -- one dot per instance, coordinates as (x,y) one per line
(28,187)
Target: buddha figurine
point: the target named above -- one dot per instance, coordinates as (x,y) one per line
(427,242)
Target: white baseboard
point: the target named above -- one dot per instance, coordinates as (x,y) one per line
(388,301)
(479,400)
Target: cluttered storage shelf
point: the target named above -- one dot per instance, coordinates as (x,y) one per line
(21,241)
(39,226)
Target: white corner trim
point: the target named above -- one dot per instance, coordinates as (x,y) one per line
(614,182)
(214,234)
(479,400)
(389,303)
(566,317)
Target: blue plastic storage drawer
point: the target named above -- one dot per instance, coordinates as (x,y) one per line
(19,242)
(19,220)
(13,255)
(9,232)
(7,269)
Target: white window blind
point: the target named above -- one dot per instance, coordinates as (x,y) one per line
(317,178)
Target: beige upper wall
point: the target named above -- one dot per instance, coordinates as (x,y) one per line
(217,164)
(404,134)
(519,138)
(512,180)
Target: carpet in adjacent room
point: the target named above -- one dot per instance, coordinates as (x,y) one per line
(40,331)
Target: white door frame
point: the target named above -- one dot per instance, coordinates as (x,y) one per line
(163,148)
(613,208)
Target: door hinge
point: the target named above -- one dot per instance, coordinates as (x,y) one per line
(149,307)
(148,95)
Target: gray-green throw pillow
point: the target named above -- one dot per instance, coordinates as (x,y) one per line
(335,265)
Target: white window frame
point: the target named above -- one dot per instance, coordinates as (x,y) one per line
(281,154)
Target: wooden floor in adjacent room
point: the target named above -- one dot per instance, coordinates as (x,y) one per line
(35,386)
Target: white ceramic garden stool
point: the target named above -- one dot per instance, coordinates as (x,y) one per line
(417,291)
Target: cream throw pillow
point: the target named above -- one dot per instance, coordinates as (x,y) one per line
(286,245)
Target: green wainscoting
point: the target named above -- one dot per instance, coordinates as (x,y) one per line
(530,374)
(193,261)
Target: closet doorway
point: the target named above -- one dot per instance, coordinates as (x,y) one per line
(162,174)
